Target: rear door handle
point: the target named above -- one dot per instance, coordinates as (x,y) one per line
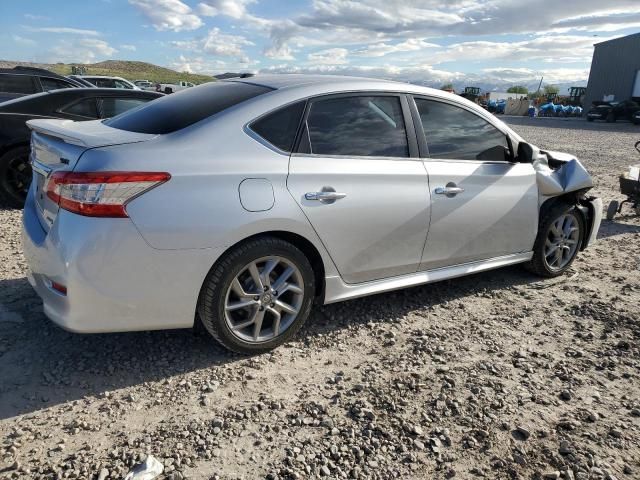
(325,197)
(451,190)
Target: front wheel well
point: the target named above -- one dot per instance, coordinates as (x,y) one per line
(571,198)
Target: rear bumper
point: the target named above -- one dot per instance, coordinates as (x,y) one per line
(115,281)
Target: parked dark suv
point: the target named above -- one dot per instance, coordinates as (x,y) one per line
(20,81)
(612,111)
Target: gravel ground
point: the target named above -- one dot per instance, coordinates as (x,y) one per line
(498,375)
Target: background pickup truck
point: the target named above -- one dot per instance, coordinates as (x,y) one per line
(173,87)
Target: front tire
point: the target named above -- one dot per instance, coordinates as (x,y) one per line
(15,177)
(257,296)
(559,238)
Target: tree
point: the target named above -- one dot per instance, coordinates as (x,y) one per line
(551,89)
(447,86)
(518,89)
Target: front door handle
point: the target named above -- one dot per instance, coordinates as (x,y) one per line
(451,190)
(325,196)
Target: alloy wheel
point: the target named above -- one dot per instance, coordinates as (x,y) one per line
(562,241)
(264,299)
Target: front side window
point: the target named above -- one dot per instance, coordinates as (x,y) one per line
(357,126)
(455,133)
(53,84)
(83,108)
(279,128)
(112,106)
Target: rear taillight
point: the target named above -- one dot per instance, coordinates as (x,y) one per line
(100,194)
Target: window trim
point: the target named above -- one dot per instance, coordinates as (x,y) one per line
(422,138)
(412,142)
(70,104)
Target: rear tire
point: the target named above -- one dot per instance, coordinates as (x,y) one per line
(257,296)
(611,118)
(612,209)
(560,235)
(15,177)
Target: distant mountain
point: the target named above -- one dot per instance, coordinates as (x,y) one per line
(120,68)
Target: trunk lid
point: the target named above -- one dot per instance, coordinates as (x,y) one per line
(57,145)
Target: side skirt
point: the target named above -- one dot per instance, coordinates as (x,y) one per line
(336,290)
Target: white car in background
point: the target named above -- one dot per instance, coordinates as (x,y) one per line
(144,85)
(109,82)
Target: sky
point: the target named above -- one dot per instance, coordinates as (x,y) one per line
(490,43)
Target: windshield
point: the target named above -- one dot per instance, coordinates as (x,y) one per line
(179,110)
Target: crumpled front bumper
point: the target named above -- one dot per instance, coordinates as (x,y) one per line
(594,204)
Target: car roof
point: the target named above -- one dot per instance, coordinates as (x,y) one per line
(319,84)
(285,80)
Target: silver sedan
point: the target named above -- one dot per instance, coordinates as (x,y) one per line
(239,204)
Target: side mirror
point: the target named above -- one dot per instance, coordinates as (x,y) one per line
(525,153)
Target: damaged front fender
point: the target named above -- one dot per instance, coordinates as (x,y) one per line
(558,174)
(568,176)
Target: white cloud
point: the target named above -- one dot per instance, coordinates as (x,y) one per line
(217,43)
(381,49)
(207,66)
(35,18)
(24,41)
(548,48)
(131,48)
(331,56)
(168,14)
(84,50)
(340,22)
(231,8)
(64,31)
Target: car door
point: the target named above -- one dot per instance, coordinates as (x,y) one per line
(483,204)
(358,179)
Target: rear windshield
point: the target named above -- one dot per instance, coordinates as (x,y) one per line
(179,110)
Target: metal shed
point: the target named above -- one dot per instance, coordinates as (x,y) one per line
(615,70)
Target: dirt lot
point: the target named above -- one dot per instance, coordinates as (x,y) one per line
(499,375)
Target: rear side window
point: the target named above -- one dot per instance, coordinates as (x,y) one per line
(83,108)
(53,84)
(455,133)
(179,110)
(112,106)
(16,84)
(279,128)
(357,126)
